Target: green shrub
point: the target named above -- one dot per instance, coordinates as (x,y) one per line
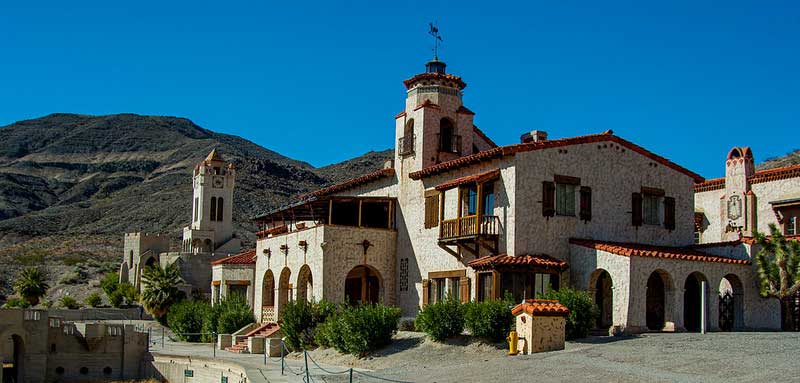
(359,329)
(300,321)
(582,310)
(441,320)
(69,302)
(489,319)
(110,283)
(16,303)
(227,317)
(186,319)
(93,300)
(73,259)
(116,299)
(128,292)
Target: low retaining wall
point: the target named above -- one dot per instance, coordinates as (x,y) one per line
(169,368)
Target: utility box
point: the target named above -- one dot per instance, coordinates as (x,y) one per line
(541,325)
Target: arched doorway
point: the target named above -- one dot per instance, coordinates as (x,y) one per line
(602,285)
(268,298)
(268,289)
(15,372)
(305,285)
(692,295)
(656,300)
(150,262)
(284,289)
(207,246)
(362,285)
(123,272)
(731,303)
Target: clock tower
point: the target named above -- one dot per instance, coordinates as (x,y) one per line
(738,204)
(212,205)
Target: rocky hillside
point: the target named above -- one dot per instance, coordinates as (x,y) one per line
(789,159)
(70,185)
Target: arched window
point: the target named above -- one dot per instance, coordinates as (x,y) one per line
(220,204)
(213,208)
(448,142)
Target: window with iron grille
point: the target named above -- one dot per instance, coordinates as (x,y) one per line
(404,274)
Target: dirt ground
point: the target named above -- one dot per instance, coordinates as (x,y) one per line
(687,357)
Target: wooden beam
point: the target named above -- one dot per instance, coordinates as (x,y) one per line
(360,202)
(441,212)
(449,250)
(330,211)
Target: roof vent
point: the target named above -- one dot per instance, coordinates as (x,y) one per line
(534,136)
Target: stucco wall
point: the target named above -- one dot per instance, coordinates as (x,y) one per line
(332,252)
(614,174)
(584,271)
(540,333)
(225,273)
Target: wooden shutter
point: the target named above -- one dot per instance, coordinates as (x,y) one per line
(431,210)
(425,297)
(636,209)
(586,203)
(548,198)
(464,286)
(669,213)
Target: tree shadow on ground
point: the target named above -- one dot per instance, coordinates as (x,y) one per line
(399,345)
(604,339)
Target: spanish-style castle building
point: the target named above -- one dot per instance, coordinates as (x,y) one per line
(210,235)
(455,214)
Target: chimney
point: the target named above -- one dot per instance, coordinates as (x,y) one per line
(534,136)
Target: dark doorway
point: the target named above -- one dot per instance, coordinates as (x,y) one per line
(362,285)
(691,303)
(655,302)
(13,373)
(603,297)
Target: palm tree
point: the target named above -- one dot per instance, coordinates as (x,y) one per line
(779,270)
(31,285)
(160,289)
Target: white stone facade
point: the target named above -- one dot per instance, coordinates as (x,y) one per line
(458,201)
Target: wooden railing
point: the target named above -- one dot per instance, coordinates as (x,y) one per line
(469,226)
(268,314)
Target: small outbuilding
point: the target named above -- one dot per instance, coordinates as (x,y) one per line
(541,325)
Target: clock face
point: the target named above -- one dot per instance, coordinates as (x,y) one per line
(218,182)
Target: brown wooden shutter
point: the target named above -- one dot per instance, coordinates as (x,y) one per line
(669,213)
(586,203)
(431,211)
(464,293)
(548,199)
(636,209)
(425,297)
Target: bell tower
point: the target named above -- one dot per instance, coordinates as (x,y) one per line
(212,205)
(435,126)
(738,204)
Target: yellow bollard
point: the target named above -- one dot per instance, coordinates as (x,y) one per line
(512,343)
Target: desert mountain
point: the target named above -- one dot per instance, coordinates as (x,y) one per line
(71,185)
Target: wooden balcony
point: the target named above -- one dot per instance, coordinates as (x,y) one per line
(470,226)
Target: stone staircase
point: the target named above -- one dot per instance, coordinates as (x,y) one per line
(239,348)
(264,331)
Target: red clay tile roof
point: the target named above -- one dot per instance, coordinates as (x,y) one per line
(350,183)
(435,76)
(526,260)
(751,240)
(639,250)
(483,135)
(769,175)
(475,178)
(427,104)
(511,150)
(541,307)
(246,258)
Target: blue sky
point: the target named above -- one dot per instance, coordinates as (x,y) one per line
(321,82)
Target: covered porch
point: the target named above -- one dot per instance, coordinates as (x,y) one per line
(522,276)
(475,225)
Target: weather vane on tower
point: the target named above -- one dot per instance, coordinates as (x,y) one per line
(437,39)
